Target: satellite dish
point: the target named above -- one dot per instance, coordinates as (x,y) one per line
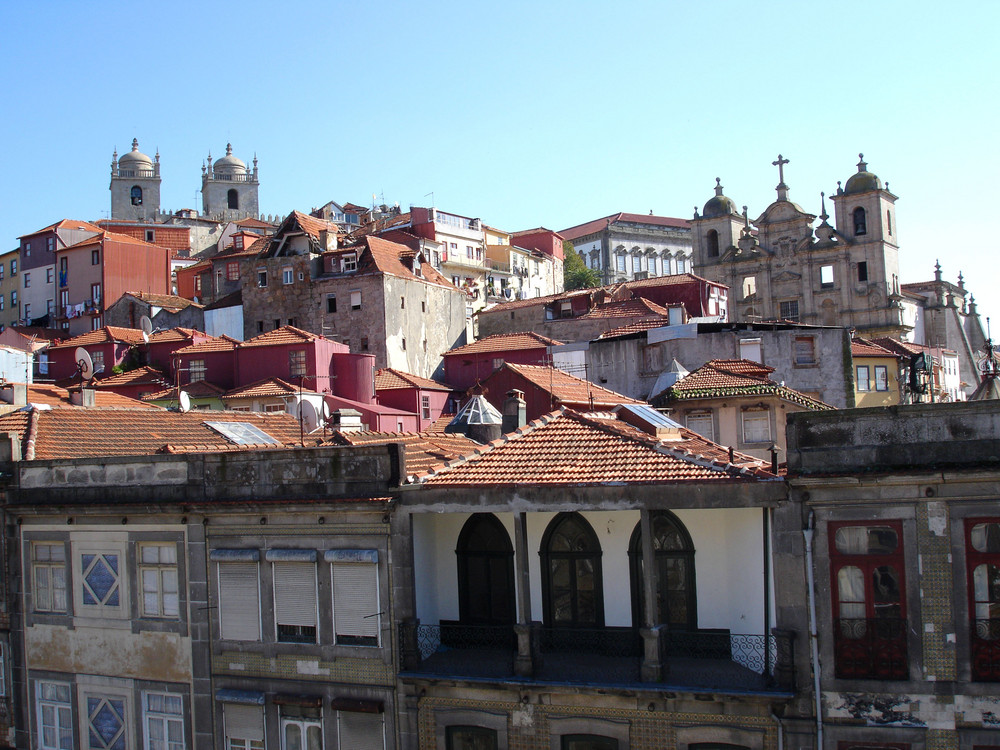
(145,337)
(146,325)
(185,400)
(84,364)
(325,410)
(308,415)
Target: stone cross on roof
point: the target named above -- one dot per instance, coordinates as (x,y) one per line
(782,187)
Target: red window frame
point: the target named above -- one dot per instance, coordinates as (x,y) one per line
(874,647)
(984,635)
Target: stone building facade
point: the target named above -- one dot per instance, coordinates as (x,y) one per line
(903,537)
(779,267)
(229,188)
(378,297)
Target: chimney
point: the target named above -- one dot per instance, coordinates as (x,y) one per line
(514,411)
(10,447)
(15,394)
(327,239)
(83,396)
(347,420)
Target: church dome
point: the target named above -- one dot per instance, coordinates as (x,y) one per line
(863,180)
(720,205)
(135,159)
(229,164)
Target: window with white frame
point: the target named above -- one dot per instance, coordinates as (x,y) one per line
(702,423)
(54,709)
(158,577)
(261,277)
(302,732)
(425,407)
(361,731)
(756,426)
(881,378)
(349,262)
(863,381)
(295,597)
(106,722)
(98,359)
(356,300)
(239,594)
(244,726)
(196,370)
(620,262)
(163,721)
(287,275)
(297,363)
(48,575)
(100,586)
(356,611)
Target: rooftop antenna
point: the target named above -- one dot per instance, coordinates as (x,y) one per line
(431,194)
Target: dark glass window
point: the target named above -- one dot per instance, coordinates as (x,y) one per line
(136,195)
(673,555)
(485,572)
(713,243)
(587,742)
(470,738)
(860,221)
(982,548)
(572,582)
(233,198)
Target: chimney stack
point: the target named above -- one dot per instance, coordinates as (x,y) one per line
(514,411)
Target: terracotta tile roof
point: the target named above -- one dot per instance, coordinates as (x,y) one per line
(516,304)
(279,336)
(221,344)
(908,348)
(197,389)
(863,348)
(142,431)
(65,224)
(115,237)
(597,225)
(504,342)
(262,389)
(254,223)
(313,226)
(102,336)
(631,308)
(567,389)
(140,376)
(201,265)
(569,448)
(636,326)
(388,379)
(423,450)
(173,334)
(254,248)
(386,256)
(736,378)
(47,394)
(672,280)
(536,230)
(441,422)
(169,301)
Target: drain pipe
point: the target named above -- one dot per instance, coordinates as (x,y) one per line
(781,731)
(807,534)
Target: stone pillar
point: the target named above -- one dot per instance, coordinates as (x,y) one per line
(529,652)
(409,652)
(654,664)
(528,632)
(784,657)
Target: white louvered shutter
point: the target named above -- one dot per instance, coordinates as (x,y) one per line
(295,593)
(360,731)
(239,601)
(355,599)
(244,722)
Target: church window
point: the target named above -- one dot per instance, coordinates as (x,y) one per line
(636,263)
(234,199)
(863,271)
(789,310)
(860,221)
(888,222)
(749,287)
(620,263)
(826,276)
(713,243)
(681,264)
(136,195)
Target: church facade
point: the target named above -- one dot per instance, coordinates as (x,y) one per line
(779,267)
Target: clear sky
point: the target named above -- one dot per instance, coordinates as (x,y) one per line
(520,113)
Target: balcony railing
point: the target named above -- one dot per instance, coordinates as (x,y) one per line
(985,645)
(223,177)
(705,660)
(871,649)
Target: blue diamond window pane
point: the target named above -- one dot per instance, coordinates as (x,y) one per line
(112,561)
(113,599)
(101,580)
(88,598)
(87,560)
(107,722)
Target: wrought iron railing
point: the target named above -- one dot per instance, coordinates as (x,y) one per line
(985,646)
(699,659)
(872,649)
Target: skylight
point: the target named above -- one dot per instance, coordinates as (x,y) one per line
(242,433)
(651,415)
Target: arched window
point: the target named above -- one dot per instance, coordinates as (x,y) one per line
(860,221)
(136,195)
(234,198)
(485,572)
(673,553)
(572,586)
(712,238)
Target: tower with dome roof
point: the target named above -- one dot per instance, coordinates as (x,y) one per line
(135,185)
(229,188)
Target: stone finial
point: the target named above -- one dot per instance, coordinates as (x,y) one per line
(718,186)
(696,212)
(862,165)
(840,190)
(823,214)
(961,281)
(937,270)
(746,218)
(135,144)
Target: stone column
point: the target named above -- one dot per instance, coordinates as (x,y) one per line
(654,666)
(528,632)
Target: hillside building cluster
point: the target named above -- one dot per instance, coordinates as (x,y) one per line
(364,478)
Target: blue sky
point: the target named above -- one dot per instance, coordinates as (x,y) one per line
(521,113)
